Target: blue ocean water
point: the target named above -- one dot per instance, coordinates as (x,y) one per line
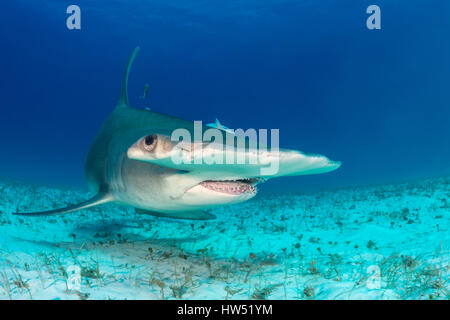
(376,100)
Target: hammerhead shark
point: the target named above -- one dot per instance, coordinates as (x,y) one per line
(130,163)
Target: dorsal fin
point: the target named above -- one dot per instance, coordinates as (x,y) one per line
(123,100)
(218,124)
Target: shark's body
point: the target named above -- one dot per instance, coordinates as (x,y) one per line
(127,163)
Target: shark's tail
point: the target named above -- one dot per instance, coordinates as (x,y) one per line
(95,201)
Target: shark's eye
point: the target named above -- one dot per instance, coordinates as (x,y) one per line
(150,142)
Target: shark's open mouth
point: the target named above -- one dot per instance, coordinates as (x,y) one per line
(232,187)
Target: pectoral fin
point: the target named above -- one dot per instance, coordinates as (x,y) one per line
(95,201)
(190,215)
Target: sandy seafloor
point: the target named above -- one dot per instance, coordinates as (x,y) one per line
(383,242)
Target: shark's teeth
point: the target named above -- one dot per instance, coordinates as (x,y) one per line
(229,187)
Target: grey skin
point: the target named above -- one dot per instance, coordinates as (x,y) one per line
(129,163)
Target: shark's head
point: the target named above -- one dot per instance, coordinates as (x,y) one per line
(198,175)
(195,185)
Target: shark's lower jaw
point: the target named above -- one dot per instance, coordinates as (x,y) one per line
(236,187)
(223,191)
